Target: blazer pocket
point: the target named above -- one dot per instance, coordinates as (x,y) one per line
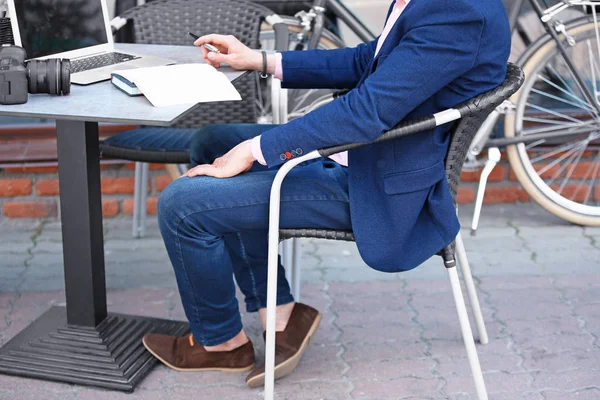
(412,181)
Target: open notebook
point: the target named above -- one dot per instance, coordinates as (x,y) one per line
(176,84)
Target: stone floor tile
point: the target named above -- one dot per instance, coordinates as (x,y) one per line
(368,288)
(493,283)
(374,335)
(384,350)
(584,394)
(565,324)
(566,380)
(555,343)
(531,310)
(320,353)
(370,303)
(140,393)
(496,382)
(396,388)
(385,369)
(381,318)
(563,361)
(312,390)
(577,280)
(39,395)
(588,295)
(202,379)
(490,363)
(216,391)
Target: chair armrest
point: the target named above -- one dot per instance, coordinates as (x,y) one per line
(402,129)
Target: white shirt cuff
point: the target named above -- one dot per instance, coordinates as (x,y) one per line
(257,152)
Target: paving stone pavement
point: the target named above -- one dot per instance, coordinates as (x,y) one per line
(384,336)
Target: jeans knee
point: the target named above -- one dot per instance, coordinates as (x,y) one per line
(167,203)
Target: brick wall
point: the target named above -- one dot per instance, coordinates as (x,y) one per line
(33,192)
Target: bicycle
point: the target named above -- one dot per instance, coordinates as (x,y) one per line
(551,126)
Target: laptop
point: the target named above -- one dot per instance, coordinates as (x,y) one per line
(79,31)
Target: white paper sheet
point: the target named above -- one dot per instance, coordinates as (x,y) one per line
(182,84)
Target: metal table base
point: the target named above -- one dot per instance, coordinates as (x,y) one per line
(110,355)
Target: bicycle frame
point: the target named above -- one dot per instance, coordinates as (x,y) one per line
(482,140)
(348,17)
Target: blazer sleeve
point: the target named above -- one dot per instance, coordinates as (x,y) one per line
(432,53)
(327,69)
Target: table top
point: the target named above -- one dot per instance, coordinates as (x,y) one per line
(103,102)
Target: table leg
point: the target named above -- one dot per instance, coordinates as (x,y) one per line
(81,217)
(82,343)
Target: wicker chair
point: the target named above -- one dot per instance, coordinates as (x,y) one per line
(470,115)
(167,22)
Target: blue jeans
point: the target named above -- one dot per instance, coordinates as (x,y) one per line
(215,229)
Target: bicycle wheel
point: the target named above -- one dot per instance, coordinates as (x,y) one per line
(562,174)
(300,101)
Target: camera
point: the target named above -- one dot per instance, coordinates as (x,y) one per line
(19,77)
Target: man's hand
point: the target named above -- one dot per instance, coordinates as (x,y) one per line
(234,53)
(237,160)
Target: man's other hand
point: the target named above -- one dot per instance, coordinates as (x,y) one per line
(236,161)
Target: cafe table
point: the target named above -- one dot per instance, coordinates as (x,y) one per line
(82,343)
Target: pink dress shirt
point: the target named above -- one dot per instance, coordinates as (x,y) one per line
(340,158)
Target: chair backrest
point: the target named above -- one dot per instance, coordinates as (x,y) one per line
(474,112)
(169,21)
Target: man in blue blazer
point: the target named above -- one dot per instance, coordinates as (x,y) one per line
(432,55)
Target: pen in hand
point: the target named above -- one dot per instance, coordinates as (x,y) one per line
(207,46)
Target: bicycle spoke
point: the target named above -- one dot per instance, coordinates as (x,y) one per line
(572,167)
(557,151)
(557,161)
(555,113)
(567,128)
(557,98)
(547,121)
(568,93)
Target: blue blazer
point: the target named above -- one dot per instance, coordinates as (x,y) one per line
(438,54)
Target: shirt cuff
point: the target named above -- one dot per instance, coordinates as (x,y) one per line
(257,152)
(278,66)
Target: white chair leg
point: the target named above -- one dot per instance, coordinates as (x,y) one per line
(140,194)
(467,334)
(463,262)
(274,208)
(295,268)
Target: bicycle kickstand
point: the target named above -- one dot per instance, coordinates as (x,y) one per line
(492,161)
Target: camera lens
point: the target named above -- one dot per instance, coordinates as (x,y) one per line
(51,76)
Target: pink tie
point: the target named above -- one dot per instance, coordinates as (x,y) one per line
(398,8)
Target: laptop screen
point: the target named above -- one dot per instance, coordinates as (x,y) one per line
(55,26)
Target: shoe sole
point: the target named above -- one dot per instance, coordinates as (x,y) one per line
(288,366)
(244,369)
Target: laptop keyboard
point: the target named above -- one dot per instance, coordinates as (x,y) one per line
(99,61)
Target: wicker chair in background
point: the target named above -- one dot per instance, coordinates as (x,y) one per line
(469,117)
(167,22)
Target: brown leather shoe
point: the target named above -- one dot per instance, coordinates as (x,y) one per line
(184,354)
(289,344)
